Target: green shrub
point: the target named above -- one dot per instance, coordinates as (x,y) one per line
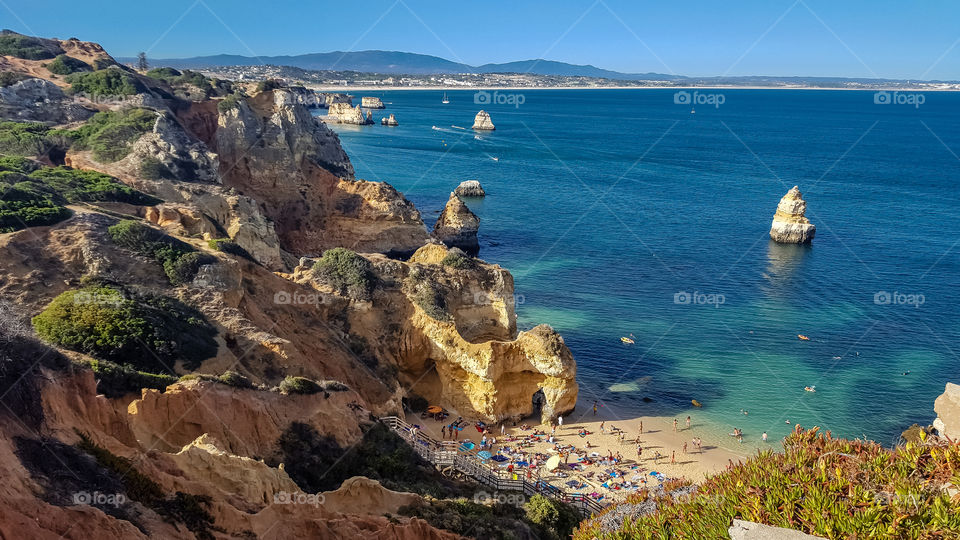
(179,260)
(230,102)
(23,138)
(189,510)
(111,134)
(832,488)
(163,73)
(104,63)
(110,82)
(27,47)
(269,84)
(181,270)
(149,333)
(65,65)
(456,258)
(346,272)
(234,379)
(470,519)
(78,185)
(228,246)
(8,78)
(299,385)
(431,301)
(116,380)
(27,204)
(552,515)
(152,168)
(17,164)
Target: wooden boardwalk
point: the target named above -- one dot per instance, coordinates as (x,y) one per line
(445,456)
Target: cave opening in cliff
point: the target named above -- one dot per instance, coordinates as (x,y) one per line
(538,401)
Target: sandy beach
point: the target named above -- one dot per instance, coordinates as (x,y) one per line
(658,437)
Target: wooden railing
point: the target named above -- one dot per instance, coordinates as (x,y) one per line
(445,454)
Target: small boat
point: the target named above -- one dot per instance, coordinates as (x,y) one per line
(446,100)
(803,337)
(696,403)
(810,388)
(693,111)
(495,158)
(627,340)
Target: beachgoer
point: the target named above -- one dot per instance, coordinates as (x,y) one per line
(688,422)
(674,424)
(560,420)
(641,426)
(594,408)
(673,456)
(602,428)
(639,452)
(764,436)
(443,432)
(684,448)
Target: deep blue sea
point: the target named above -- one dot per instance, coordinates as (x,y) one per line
(609,205)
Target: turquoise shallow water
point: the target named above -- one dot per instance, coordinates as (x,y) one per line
(605,204)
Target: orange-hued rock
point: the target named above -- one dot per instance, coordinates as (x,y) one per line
(790,225)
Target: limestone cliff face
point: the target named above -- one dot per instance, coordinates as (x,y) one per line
(790,226)
(273,150)
(482,121)
(371,102)
(452,334)
(470,188)
(343,113)
(948,412)
(457,226)
(39,100)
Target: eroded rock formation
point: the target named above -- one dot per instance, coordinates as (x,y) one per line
(482,121)
(790,226)
(371,102)
(389,120)
(947,407)
(470,188)
(39,100)
(343,113)
(457,226)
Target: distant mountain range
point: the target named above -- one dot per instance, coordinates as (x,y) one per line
(396,62)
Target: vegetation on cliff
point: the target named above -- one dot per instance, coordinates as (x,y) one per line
(427,295)
(180,261)
(117,380)
(8,78)
(147,332)
(346,272)
(31,195)
(823,486)
(109,82)
(65,65)
(111,134)
(209,87)
(27,47)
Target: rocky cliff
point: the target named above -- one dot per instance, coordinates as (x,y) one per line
(947,407)
(371,102)
(482,121)
(470,188)
(343,113)
(790,226)
(457,226)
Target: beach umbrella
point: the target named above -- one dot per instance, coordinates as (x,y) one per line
(483,454)
(434,409)
(553,463)
(499,459)
(467,446)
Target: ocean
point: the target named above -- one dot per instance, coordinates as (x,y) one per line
(624,212)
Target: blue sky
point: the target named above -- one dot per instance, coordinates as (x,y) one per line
(910,40)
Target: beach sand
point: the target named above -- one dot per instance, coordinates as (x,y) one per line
(658,436)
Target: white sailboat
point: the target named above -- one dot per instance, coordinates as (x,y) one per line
(446,100)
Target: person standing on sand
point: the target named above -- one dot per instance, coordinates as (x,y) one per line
(639,452)
(673,457)
(594,408)
(688,422)
(443,432)
(503,429)
(674,425)
(560,421)
(603,430)
(684,447)
(641,427)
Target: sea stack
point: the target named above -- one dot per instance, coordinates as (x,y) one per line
(470,188)
(368,102)
(343,113)
(482,121)
(790,226)
(457,226)
(389,121)
(947,407)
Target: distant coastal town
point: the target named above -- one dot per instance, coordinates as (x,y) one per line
(324,79)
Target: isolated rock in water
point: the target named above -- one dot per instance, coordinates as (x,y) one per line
(368,102)
(469,188)
(330,99)
(457,226)
(789,224)
(389,121)
(747,530)
(482,121)
(948,412)
(342,113)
